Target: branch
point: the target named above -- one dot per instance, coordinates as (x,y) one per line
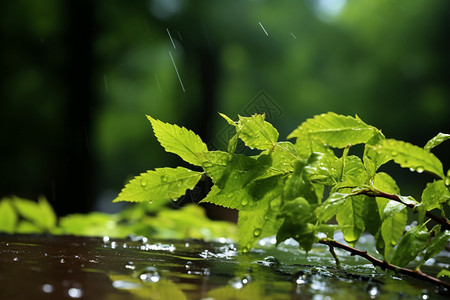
(444,222)
(383,264)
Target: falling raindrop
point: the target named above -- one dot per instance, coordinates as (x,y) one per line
(293,36)
(176,70)
(263,29)
(170,36)
(106,83)
(157,81)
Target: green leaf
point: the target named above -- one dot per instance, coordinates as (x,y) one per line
(179,140)
(321,168)
(337,130)
(392,227)
(330,207)
(438,243)
(162,184)
(257,133)
(371,215)
(228,119)
(8,217)
(443,273)
(413,242)
(437,140)
(373,159)
(385,183)
(256,224)
(48,216)
(410,156)
(40,214)
(354,174)
(350,217)
(435,194)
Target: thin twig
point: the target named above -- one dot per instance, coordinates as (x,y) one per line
(383,264)
(445,223)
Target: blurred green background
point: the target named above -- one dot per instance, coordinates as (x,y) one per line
(77,78)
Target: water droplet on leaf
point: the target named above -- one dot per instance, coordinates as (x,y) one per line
(257,232)
(150,274)
(244,202)
(420,169)
(144,182)
(394,153)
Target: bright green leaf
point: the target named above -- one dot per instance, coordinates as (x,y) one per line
(48,215)
(228,119)
(384,182)
(337,130)
(179,140)
(8,217)
(437,140)
(330,207)
(373,159)
(413,242)
(443,272)
(257,133)
(411,156)
(350,217)
(435,194)
(40,214)
(162,184)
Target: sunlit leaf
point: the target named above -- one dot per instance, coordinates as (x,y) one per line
(350,218)
(337,130)
(179,140)
(8,217)
(162,184)
(443,273)
(410,156)
(257,133)
(436,141)
(374,159)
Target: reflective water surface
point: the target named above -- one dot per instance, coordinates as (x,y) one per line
(58,267)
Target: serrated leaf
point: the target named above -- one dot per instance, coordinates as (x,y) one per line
(257,133)
(8,217)
(355,173)
(298,185)
(385,183)
(413,242)
(438,243)
(321,168)
(373,159)
(162,184)
(338,131)
(179,140)
(435,194)
(330,207)
(350,217)
(411,156)
(436,141)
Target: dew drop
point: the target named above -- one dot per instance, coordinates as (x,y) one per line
(394,153)
(150,274)
(257,232)
(164,178)
(230,195)
(420,169)
(144,182)
(447,182)
(270,261)
(244,202)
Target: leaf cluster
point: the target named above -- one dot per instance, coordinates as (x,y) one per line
(293,189)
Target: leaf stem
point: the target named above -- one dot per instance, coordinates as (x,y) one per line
(443,221)
(383,264)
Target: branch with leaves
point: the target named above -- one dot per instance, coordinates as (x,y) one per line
(293,189)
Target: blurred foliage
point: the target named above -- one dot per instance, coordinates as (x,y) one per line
(19,215)
(77,78)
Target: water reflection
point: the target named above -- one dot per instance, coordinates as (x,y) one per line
(100,268)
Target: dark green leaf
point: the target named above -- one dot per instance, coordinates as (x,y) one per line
(413,242)
(438,243)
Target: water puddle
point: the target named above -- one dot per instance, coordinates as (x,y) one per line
(58,267)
